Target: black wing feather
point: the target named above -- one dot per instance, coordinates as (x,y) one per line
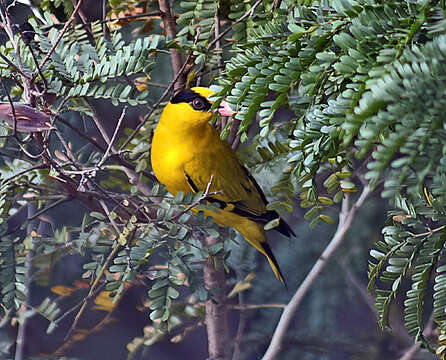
(239,208)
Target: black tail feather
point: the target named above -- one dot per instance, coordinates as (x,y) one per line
(283,227)
(270,255)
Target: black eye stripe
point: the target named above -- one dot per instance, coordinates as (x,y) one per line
(188,96)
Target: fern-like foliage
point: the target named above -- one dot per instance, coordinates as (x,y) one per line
(413,245)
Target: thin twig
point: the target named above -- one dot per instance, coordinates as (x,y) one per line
(44,210)
(276,4)
(8,27)
(59,38)
(95,284)
(413,350)
(240,329)
(21,333)
(205,195)
(245,307)
(75,307)
(249,13)
(346,217)
(16,68)
(112,140)
(14,116)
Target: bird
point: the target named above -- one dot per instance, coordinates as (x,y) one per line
(187,154)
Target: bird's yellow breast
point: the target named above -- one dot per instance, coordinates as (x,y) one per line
(176,143)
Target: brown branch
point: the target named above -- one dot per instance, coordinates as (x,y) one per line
(233,137)
(175,54)
(276,4)
(216,318)
(11,64)
(79,304)
(8,27)
(110,146)
(245,307)
(205,195)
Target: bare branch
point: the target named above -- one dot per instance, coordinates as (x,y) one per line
(245,307)
(111,147)
(205,195)
(346,217)
(92,288)
(240,329)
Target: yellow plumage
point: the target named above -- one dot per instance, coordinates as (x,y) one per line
(187,151)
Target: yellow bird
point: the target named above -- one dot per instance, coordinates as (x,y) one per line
(187,151)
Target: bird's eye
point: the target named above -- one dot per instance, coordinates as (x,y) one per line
(198,104)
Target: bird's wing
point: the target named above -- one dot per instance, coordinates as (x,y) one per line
(240,193)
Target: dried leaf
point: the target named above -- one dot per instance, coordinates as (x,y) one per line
(27,118)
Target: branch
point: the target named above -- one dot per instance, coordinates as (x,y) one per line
(112,140)
(204,196)
(175,54)
(245,307)
(249,13)
(92,288)
(346,217)
(236,355)
(21,332)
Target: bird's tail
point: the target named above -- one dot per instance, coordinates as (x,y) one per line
(265,249)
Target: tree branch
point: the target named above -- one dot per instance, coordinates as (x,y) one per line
(346,217)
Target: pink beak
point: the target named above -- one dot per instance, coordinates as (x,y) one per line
(225,109)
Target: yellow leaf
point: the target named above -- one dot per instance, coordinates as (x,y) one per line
(104,302)
(243,285)
(63,290)
(142,83)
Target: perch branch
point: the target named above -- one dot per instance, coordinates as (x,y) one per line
(346,217)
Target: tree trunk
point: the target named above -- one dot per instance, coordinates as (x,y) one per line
(216,312)
(175,54)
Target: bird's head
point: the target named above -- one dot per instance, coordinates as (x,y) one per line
(192,106)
